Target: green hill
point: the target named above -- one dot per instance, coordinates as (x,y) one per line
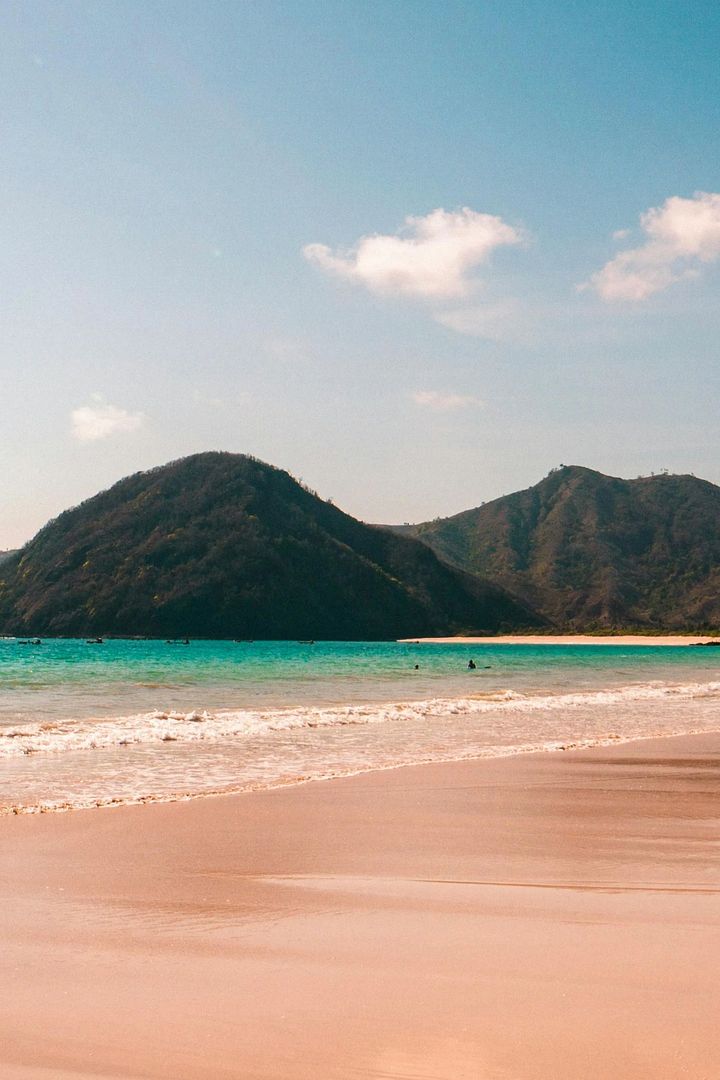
(222,545)
(593,551)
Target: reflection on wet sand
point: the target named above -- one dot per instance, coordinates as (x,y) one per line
(541,918)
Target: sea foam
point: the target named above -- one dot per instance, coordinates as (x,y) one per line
(165,726)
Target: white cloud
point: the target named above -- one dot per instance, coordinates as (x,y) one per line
(433,399)
(432,256)
(494,322)
(100,420)
(681,236)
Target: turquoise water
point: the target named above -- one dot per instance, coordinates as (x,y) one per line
(70,678)
(82,724)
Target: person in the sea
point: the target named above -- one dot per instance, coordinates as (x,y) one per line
(471,665)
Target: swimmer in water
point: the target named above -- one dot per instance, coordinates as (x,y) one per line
(471,665)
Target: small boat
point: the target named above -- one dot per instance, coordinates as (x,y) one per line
(95,641)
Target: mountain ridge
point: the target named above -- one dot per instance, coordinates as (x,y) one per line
(223,545)
(592,551)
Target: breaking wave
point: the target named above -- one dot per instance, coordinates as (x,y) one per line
(186,727)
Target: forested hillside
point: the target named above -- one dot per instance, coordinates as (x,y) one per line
(594,551)
(222,545)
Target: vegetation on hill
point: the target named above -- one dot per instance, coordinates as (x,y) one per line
(7,554)
(222,545)
(593,551)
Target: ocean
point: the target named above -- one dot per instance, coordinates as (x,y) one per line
(85,725)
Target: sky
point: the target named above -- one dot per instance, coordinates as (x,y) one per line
(415,253)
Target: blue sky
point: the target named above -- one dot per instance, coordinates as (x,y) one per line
(206,245)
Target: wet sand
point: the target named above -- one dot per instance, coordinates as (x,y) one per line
(549,917)
(568,639)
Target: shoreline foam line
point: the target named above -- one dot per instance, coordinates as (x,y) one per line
(491,754)
(202,726)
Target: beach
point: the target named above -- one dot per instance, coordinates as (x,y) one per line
(141,721)
(546,916)
(672,640)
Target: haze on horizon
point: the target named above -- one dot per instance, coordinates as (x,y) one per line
(416,255)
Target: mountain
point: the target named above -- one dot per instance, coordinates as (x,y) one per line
(7,554)
(222,545)
(593,551)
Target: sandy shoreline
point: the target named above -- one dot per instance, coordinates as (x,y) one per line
(566,639)
(547,917)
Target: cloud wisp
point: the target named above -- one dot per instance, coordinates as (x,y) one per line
(100,420)
(682,235)
(493,322)
(440,402)
(431,257)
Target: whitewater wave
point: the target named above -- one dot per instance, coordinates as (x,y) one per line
(200,725)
